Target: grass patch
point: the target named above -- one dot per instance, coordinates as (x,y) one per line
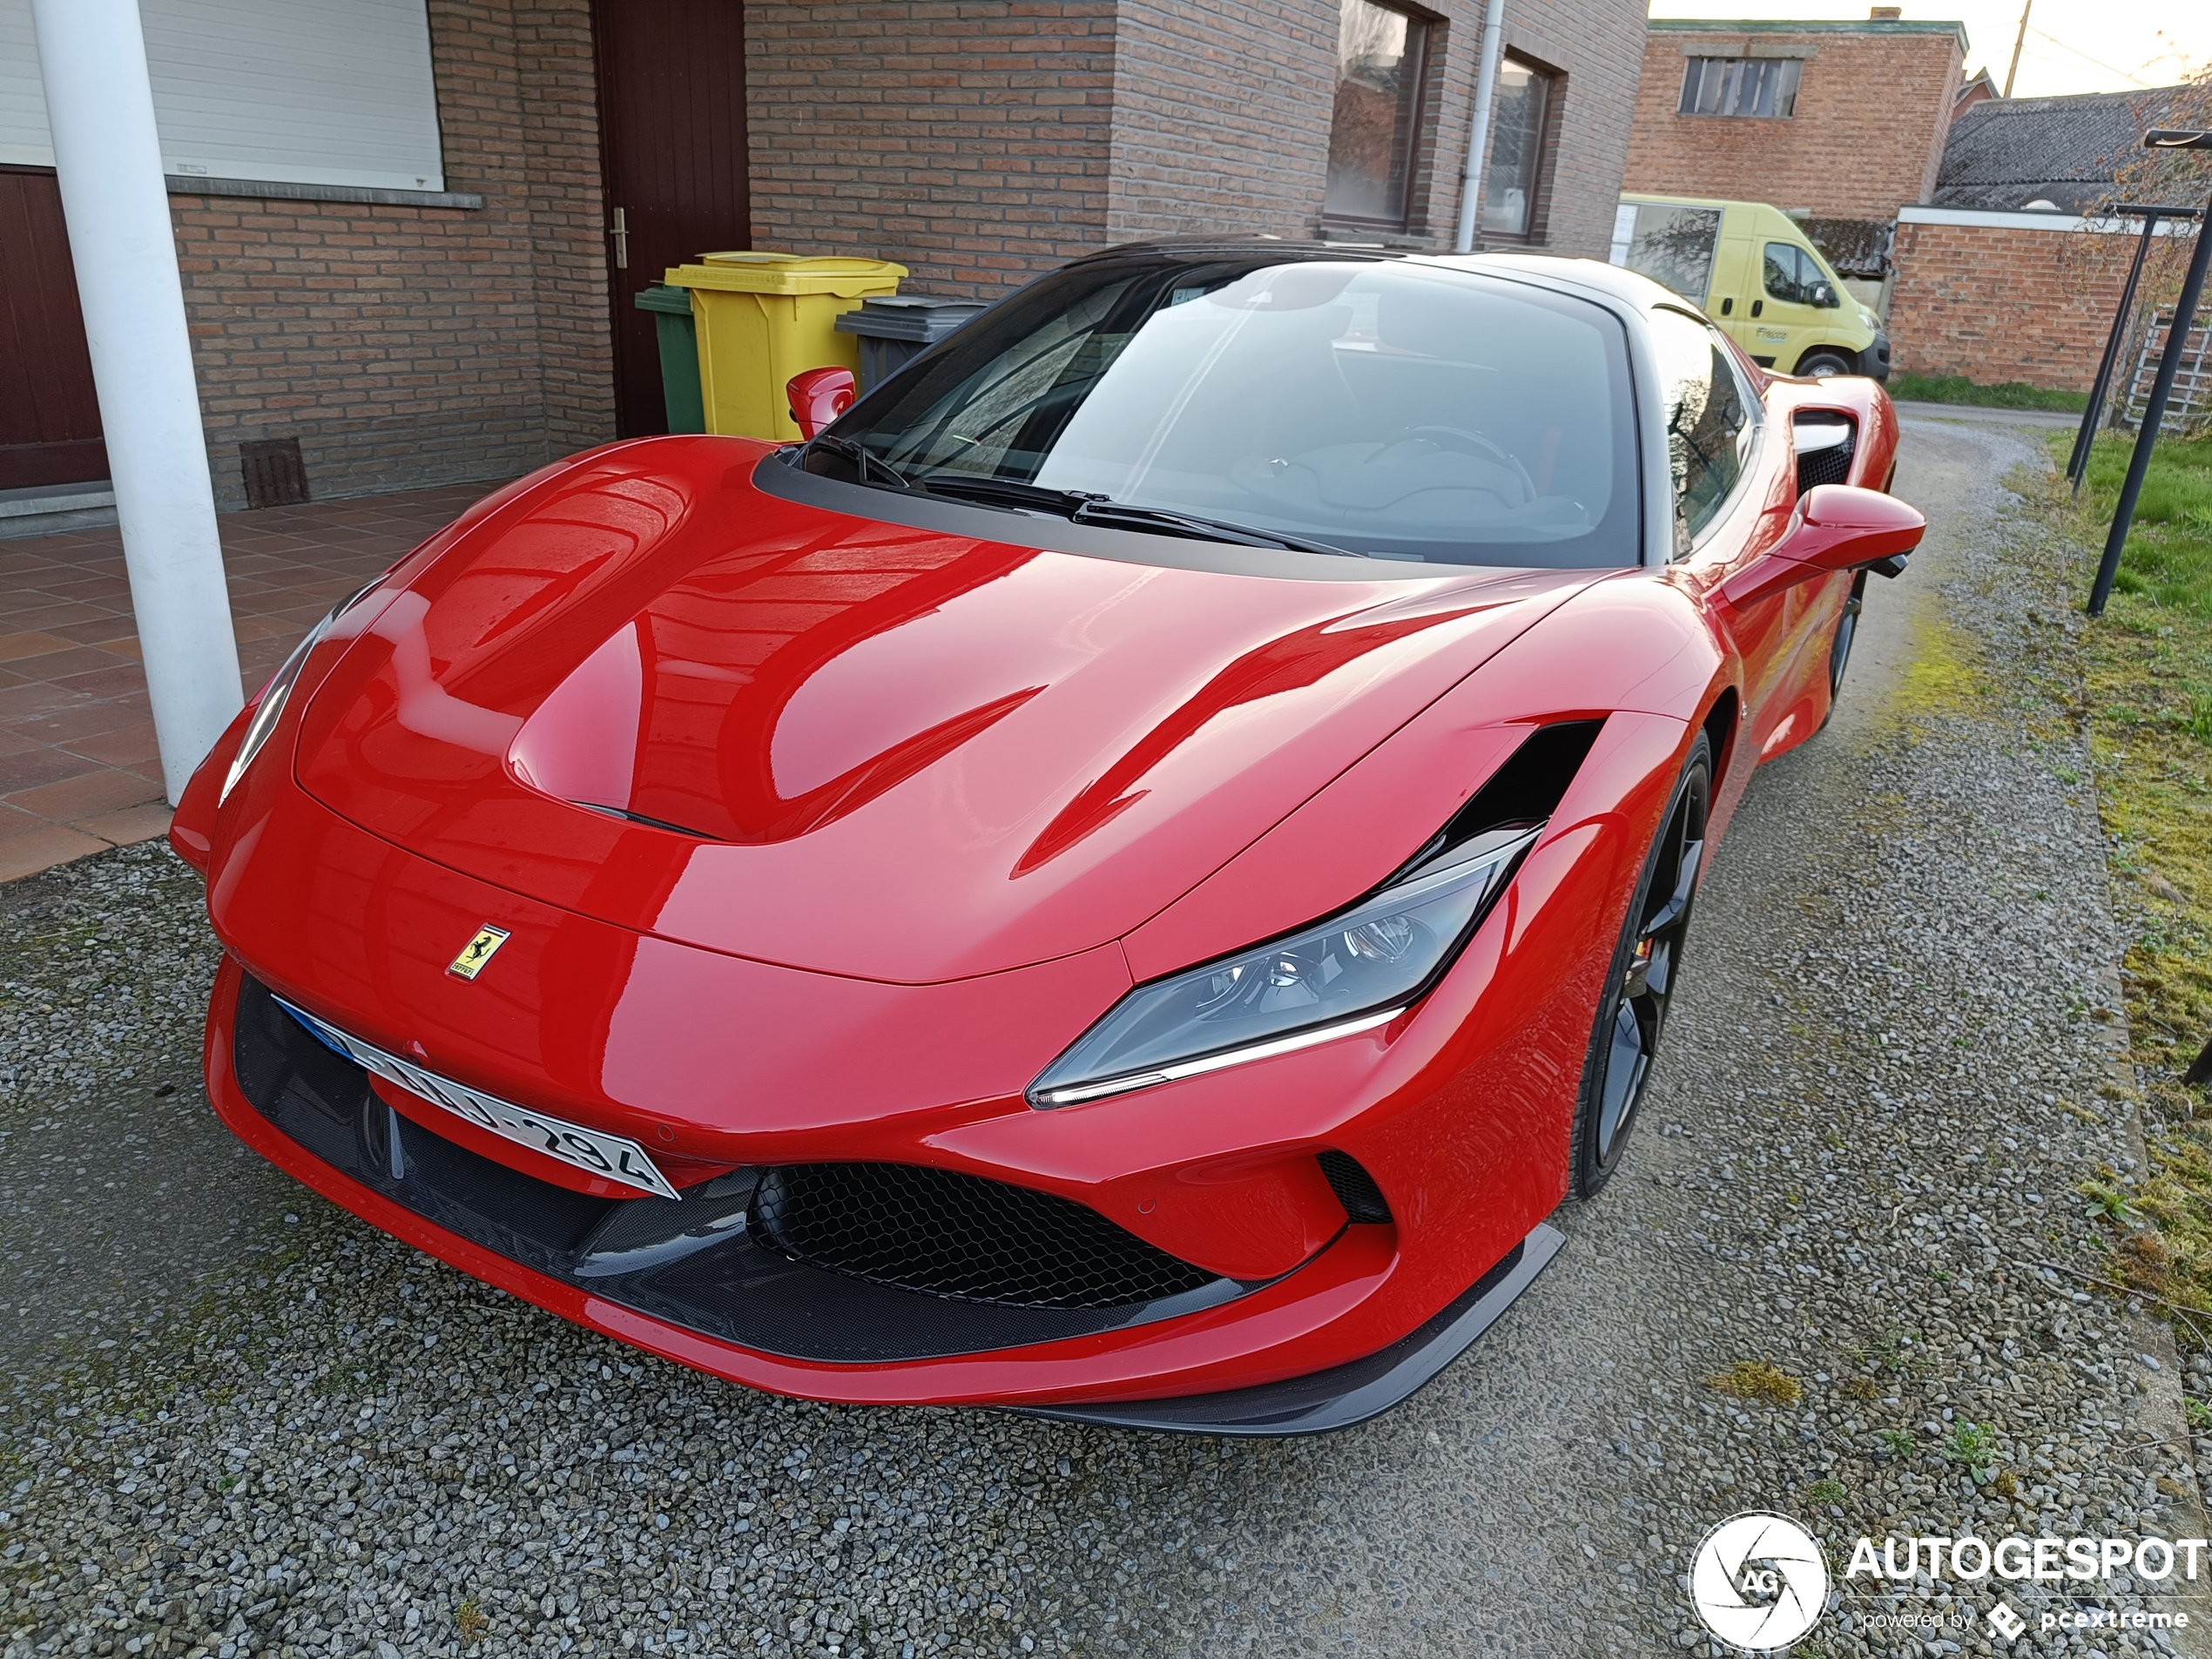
(2007,394)
(2147,669)
(2169,559)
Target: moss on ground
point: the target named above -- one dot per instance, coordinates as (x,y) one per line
(2147,681)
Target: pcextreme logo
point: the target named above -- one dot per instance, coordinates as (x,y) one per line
(1759,1581)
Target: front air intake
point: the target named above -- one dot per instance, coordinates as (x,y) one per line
(961,1236)
(1355,1189)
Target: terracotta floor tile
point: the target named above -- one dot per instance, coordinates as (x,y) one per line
(104,682)
(106,789)
(38,618)
(100,630)
(42,848)
(33,767)
(59,665)
(35,697)
(91,720)
(15,646)
(132,745)
(131,825)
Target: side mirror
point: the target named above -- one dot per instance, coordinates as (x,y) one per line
(1839,527)
(1824,295)
(817,397)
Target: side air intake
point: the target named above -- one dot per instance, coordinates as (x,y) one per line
(1525,791)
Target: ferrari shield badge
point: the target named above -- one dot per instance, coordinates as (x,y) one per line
(478,951)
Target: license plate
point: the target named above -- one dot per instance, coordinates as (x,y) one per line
(609,1156)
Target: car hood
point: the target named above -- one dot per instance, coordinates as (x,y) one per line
(640,689)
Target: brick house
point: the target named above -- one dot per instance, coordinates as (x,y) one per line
(411,231)
(1841,124)
(2000,276)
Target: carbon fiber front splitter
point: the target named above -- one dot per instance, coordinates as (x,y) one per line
(1345,1394)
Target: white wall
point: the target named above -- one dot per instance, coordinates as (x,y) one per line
(299,91)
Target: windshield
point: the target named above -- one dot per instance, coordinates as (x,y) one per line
(1377,407)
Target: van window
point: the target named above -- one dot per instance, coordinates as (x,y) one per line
(1674,246)
(1708,420)
(1793,275)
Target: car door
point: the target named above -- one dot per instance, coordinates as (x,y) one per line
(1792,288)
(1731,503)
(1736,285)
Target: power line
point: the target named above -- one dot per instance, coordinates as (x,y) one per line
(2086,58)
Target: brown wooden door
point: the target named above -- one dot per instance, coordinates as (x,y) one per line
(50,419)
(672,150)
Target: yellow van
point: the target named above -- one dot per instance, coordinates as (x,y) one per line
(1750,269)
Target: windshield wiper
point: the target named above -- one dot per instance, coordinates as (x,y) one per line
(862,457)
(1006,491)
(1098,509)
(1085,507)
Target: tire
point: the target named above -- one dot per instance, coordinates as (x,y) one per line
(1640,981)
(1839,646)
(1826,360)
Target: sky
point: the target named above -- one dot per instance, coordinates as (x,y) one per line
(2072,45)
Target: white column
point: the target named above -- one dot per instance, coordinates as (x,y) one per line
(99,104)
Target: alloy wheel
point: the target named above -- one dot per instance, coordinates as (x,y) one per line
(1647,986)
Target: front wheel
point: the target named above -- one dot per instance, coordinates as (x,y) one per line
(1640,983)
(1815,364)
(1839,647)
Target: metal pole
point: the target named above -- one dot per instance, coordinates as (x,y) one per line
(1486,86)
(2019,41)
(2169,362)
(2077,464)
(99,106)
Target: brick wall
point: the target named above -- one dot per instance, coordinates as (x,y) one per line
(405,346)
(1873,108)
(977,142)
(980,143)
(1998,304)
(1221,117)
(969,141)
(1600,47)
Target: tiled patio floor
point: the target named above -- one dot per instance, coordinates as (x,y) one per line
(78,767)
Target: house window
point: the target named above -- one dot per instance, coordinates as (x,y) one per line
(1374,132)
(1757,86)
(1516,170)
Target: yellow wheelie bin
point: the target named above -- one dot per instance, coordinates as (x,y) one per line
(764,317)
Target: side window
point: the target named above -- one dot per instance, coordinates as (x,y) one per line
(1709,421)
(1793,275)
(1782,278)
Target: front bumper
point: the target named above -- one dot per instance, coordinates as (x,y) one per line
(1874,361)
(737,1307)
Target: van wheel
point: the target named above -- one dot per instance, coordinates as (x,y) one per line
(1825,362)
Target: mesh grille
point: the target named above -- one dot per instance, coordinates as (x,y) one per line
(1355,1189)
(961,1236)
(1823,467)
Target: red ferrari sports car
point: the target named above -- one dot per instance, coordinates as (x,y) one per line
(1123,878)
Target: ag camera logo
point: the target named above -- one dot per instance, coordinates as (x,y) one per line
(1759,1581)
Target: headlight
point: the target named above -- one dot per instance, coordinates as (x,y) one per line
(1359,969)
(280,688)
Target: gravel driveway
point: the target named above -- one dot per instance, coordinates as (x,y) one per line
(236,1421)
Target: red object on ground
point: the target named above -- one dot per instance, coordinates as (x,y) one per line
(812,842)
